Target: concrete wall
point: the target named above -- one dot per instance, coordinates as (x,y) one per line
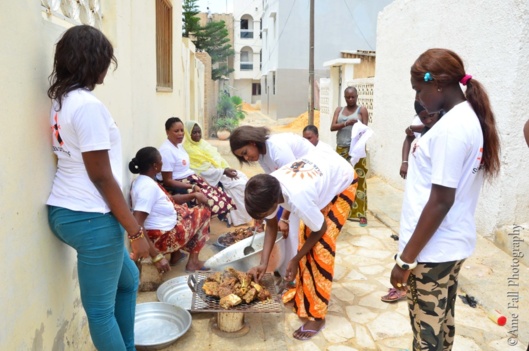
(243,89)
(286,42)
(497,60)
(40,303)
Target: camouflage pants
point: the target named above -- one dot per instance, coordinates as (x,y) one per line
(431,302)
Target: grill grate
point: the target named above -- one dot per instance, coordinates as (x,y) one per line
(203,303)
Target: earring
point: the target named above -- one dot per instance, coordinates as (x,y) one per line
(439,89)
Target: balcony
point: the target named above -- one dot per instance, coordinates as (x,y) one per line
(246,66)
(246,33)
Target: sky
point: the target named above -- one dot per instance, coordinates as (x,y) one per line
(216,6)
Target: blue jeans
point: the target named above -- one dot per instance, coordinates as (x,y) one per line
(108,278)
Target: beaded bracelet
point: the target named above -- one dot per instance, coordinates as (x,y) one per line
(158,258)
(284,220)
(138,235)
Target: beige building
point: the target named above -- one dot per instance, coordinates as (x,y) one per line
(40,303)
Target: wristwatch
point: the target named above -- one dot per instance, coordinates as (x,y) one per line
(404,265)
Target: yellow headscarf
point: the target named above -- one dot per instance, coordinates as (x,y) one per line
(202,155)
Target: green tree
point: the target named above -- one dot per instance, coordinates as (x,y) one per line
(190,20)
(213,39)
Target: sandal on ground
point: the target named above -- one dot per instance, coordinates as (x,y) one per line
(309,334)
(394,295)
(363,221)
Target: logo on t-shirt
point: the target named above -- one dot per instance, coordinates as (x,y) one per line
(55,129)
(303,168)
(184,162)
(58,143)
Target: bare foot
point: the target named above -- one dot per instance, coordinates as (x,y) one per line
(309,329)
(195,266)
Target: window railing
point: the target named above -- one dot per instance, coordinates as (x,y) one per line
(246,33)
(246,66)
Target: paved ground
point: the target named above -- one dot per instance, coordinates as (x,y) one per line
(357,319)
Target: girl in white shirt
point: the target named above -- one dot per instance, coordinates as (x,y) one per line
(318,188)
(251,144)
(86,208)
(445,175)
(169,223)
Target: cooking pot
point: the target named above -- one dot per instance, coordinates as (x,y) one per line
(233,256)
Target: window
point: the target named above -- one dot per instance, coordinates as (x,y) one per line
(273,83)
(164,45)
(256,88)
(246,59)
(246,27)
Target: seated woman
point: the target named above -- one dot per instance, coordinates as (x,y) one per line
(207,162)
(319,188)
(168,222)
(177,177)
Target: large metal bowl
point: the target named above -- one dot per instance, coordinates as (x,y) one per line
(157,325)
(176,292)
(233,256)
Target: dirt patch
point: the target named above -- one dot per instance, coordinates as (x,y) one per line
(299,123)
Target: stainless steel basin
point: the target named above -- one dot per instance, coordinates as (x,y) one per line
(233,256)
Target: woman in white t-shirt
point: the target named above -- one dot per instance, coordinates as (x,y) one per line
(446,170)
(86,208)
(318,188)
(312,134)
(251,144)
(169,223)
(179,178)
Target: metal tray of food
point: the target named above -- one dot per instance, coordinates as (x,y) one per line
(204,303)
(176,292)
(158,324)
(230,238)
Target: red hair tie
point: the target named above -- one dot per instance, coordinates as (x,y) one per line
(465,79)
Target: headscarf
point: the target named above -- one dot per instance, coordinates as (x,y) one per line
(202,155)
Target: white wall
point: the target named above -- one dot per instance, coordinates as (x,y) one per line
(40,304)
(492,37)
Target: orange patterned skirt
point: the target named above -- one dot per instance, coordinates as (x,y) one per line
(315,272)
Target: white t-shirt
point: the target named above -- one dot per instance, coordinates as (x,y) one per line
(82,125)
(282,149)
(324,147)
(147,197)
(175,159)
(416,122)
(448,155)
(311,182)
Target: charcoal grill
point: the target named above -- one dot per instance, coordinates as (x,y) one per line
(230,322)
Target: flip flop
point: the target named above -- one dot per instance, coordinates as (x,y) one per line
(203,269)
(363,222)
(394,295)
(303,330)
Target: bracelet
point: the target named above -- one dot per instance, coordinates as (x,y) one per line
(158,258)
(404,265)
(404,161)
(284,220)
(140,234)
